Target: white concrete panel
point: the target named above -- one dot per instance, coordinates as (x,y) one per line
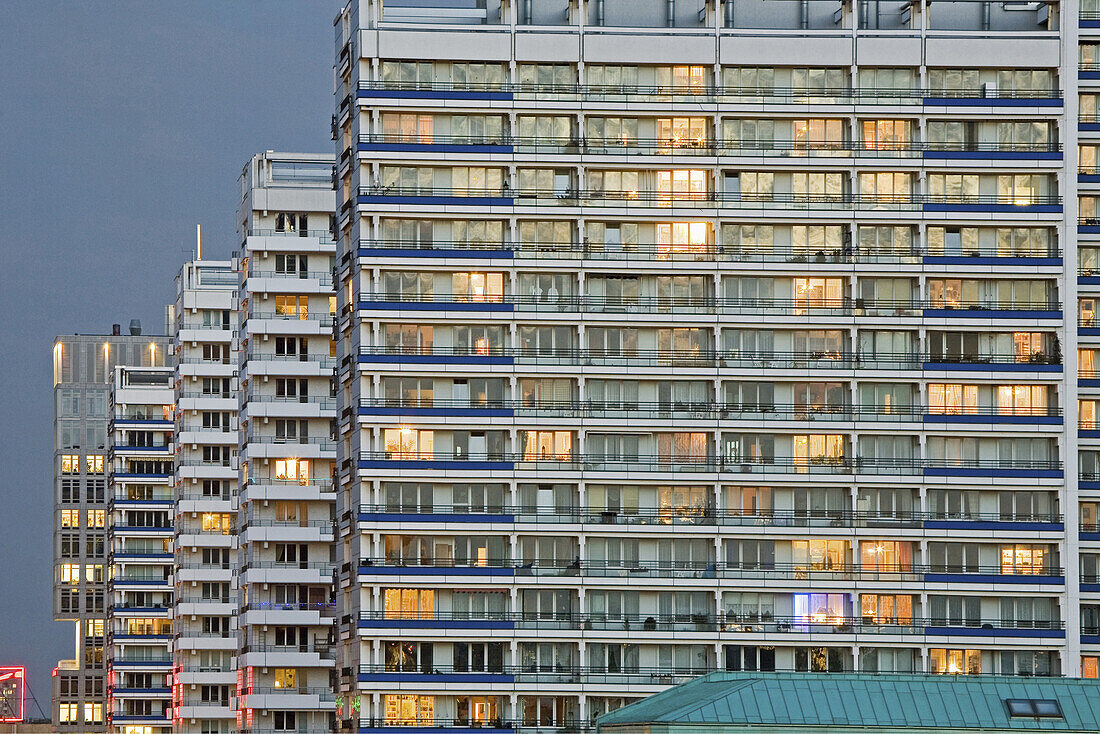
(1031,53)
(888,51)
(564,47)
(648,48)
(793,50)
(484,45)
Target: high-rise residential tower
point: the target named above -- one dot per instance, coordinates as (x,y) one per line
(681,335)
(205,493)
(83,370)
(140,561)
(287,452)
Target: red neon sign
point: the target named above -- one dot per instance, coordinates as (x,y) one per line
(13,691)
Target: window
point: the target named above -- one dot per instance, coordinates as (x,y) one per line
(682,132)
(886,608)
(817,134)
(1036,708)
(886,134)
(955,662)
(70,518)
(291,306)
(292,470)
(477,287)
(408,603)
(1025,559)
(821,609)
(70,464)
(818,449)
(547,445)
(826,293)
(684,184)
(408,709)
(886,556)
(819,555)
(409,444)
(96,518)
(217,522)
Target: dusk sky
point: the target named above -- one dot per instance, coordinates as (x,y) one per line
(122,126)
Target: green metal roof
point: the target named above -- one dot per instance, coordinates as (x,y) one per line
(841,700)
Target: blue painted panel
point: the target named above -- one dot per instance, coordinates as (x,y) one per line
(434,94)
(983,578)
(995,155)
(995,208)
(404,252)
(979,632)
(1045,420)
(443,517)
(440,200)
(435,678)
(1088,228)
(435,148)
(470,466)
(435,571)
(1002,367)
(433,306)
(961,471)
(434,359)
(455,412)
(454,624)
(1088,536)
(1012,261)
(993,101)
(1038,527)
(978,313)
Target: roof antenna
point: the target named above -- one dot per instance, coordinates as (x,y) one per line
(198,240)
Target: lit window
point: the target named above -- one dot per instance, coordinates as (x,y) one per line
(821,608)
(1023,559)
(1090,667)
(886,608)
(682,238)
(70,573)
(409,603)
(66,713)
(96,518)
(409,444)
(955,662)
(817,293)
(285,678)
(290,306)
(682,184)
(547,445)
(70,464)
(70,518)
(409,710)
(682,132)
(952,399)
(95,464)
(217,522)
(93,713)
(886,555)
(818,449)
(477,287)
(292,470)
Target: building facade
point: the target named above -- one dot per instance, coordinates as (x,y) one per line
(83,369)
(206,496)
(140,556)
(287,411)
(681,336)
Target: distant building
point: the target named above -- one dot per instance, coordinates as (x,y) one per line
(808,703)
(83,368)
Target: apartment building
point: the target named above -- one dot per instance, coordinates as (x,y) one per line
(287,411)
(1088,335)
(139,550)
(678,336)
(83,368)
(205,508)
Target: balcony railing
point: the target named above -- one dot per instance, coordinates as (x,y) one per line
(711,147)
(701,252)
(707,569)
(743,465)
(716,623)
(708,304)
(706,358)
(696,93)
(703,410)
(322,319)
(703,516)
(708,199)
(322,234)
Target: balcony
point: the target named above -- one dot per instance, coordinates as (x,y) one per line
(707,516)
(706,410)
(702,93)
(506,461)
(708,622)
(708,147)
(709,200)
(700,252)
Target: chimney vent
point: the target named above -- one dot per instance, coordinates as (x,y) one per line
(135,327)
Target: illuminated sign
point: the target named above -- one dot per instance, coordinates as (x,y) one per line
(12,693)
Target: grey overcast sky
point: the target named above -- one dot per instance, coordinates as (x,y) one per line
(123,123)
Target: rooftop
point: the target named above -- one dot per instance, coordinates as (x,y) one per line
(729,702)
